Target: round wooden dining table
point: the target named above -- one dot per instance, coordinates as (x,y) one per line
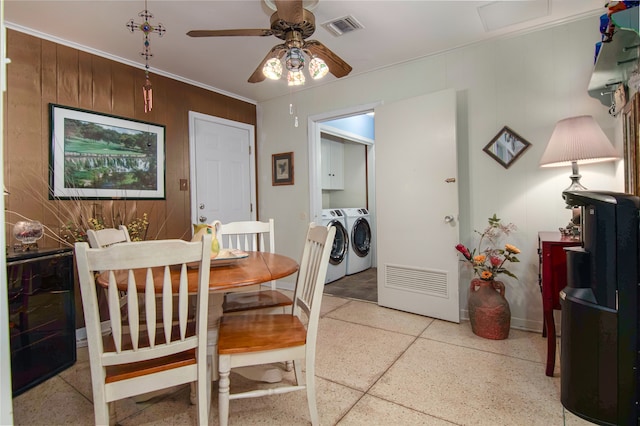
(225,275)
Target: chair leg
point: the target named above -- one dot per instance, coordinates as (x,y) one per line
(311,394)
(193,397)
(212,351)
(203,396)
(224,368)
(297,369)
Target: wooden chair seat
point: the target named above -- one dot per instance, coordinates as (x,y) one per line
(248,301)
(255,333)
(142,368)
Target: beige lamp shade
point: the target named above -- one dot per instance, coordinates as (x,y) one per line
(577,139)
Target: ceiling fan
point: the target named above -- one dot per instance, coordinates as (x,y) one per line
(292,23)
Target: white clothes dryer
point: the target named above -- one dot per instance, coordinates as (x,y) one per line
(338,259)
(359,228)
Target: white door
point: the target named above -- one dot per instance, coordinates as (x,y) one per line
(222,155)
(417,205)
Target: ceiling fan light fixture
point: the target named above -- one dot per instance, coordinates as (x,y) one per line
(272,69)
(318,68)
(295,78)
(294,60)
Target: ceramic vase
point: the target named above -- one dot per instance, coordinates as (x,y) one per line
(488,309)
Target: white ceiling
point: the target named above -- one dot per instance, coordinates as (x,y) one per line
(394,32)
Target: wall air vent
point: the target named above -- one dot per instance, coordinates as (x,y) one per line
(424,281)
(343,25)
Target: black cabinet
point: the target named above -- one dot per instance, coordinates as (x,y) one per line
(41,315)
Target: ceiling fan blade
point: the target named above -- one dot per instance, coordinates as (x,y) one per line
(290,10)
(257,75)
(337,66)
(230,33)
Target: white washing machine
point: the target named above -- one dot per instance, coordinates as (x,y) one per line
(338,260)
(359,228)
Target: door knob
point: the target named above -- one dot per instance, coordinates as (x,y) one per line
(202,219)
(201,206)
(448,219)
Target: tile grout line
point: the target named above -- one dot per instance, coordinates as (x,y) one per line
(416,338)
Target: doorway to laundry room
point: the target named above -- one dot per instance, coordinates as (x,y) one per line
(343,194)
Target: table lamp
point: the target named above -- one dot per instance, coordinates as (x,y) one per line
(577,140)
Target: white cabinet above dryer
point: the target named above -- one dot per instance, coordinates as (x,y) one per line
(332,153)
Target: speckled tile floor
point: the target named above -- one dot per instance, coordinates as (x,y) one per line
(375,366)
(362,286)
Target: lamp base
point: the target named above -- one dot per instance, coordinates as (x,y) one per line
(575,179)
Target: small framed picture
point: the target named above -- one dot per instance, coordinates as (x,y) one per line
(506,147)
(282,169)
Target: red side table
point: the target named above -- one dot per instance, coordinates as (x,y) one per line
(552,277)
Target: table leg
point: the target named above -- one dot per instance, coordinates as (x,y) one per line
(551,341)
(215,313)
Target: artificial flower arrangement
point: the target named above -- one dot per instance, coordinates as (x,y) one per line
(491,261)
(75,231)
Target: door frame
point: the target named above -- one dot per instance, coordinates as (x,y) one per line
(314,129)
(192,159)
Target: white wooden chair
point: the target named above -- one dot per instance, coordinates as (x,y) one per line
(245,340)
(146,357)
(108,236)
(251,236)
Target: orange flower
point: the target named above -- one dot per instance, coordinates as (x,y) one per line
(486,275)
(479,259)
(511,249)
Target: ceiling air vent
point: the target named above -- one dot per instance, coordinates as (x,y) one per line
(343,25)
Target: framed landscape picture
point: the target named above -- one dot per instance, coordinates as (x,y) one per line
(98,156)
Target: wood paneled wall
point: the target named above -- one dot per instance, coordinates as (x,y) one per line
(42,72)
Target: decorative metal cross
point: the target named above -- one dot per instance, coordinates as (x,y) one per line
(146,29)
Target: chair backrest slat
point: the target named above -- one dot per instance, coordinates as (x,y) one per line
(167,303)
(150,307)
(184,304)
(114,311)
(133,311)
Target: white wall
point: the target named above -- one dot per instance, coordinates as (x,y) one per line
(527,82)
